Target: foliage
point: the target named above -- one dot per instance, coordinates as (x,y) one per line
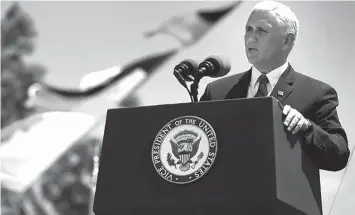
(171,161)
(17,40)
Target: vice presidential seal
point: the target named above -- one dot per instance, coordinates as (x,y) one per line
(184,149)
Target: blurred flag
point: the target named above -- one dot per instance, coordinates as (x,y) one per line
(32,145)
(45,168)
(187,28)
(48,97)
(191,27)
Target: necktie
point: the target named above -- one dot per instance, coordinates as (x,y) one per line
(262,91)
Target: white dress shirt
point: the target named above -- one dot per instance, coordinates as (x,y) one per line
(273,77)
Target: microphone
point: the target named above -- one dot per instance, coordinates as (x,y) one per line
(184,70)
(213,67)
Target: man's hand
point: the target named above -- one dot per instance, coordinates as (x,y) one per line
(294,121)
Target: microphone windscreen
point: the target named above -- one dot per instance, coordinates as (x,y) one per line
(190,63)
(187,69)
(221,64)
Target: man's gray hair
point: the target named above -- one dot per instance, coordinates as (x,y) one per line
(282,13)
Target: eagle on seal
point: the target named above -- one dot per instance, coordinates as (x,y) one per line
(184,147)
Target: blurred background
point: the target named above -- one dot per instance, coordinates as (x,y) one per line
(63,64)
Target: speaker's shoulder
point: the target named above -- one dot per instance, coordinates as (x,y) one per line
(310,82)
(226,81)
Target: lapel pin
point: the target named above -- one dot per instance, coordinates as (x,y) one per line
(280,93)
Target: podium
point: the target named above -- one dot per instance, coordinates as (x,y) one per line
(216,157)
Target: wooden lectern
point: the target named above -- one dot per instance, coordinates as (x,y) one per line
(258,167)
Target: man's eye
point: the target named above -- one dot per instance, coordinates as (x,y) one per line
(262,31)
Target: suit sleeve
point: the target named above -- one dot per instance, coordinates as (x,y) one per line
(327,142)
(206,95)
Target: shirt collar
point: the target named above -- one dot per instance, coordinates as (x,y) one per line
(273,76)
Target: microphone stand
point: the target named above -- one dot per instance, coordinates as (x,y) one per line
(194,90)
(196,81)
(183,83)
(191,95)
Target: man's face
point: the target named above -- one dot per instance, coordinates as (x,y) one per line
(263,39)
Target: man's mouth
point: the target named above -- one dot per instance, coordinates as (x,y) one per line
(252,49)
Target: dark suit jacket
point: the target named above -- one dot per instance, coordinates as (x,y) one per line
(327,144)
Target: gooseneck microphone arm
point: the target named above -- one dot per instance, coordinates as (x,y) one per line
(195,83)
(194,91)
(183,73)
(183,83)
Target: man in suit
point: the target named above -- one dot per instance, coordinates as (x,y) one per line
(309,104)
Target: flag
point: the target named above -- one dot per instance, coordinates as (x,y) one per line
(45,96)
(146,63)
(187,28)
(47,143)
(191,27)
(41,157)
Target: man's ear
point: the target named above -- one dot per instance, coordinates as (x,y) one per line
(289,41)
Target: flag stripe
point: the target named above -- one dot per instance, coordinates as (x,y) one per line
(148,64)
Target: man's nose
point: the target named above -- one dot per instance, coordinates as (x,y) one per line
(251,37)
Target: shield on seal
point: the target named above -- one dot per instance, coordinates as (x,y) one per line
(184,158)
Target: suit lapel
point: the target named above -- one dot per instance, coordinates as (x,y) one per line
(240,89)
(281,91)
(284,86)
